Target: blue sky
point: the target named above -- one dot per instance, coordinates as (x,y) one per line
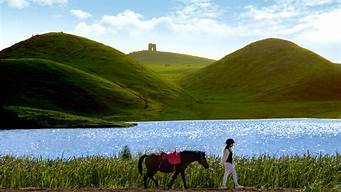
(209,28)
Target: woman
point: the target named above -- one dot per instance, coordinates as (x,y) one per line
(228,164)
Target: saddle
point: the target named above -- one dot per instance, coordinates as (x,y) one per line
(173,158)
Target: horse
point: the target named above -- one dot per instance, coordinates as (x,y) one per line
(155,162)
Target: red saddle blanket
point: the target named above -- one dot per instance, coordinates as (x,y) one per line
(173,157)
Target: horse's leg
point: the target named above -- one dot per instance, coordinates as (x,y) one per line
(173,179)
(145,180)
(151,176)
(155,181)
(183,178)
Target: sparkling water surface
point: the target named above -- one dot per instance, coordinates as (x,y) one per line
(252,137)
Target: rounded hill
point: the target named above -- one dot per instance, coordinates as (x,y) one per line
(270,69)
(72,74)
(92,57)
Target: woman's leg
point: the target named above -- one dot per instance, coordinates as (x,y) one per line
(226,173)
(232,169)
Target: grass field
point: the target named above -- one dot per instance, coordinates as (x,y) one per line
(228,107)
(170,66)
(173,73)
(49,118)
(312,173)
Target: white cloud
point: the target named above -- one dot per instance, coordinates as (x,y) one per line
(317,2)
(194,22)
(196,27)
(198,9)
(194,17)
(127,20)
(323,27)
(80,14)
(274,12)
(287,17)
(87,29)
(307,3)
(20,4)
(312,24)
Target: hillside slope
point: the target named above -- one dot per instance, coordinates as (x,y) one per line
(47,84)
(170,66)
(266,79)
(91,57)
(70,74)
(268,69)
(168,58)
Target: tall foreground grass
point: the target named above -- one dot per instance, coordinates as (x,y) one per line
(306,172)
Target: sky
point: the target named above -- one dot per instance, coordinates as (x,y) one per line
(208,28)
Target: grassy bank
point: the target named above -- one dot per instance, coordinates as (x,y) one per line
(312,173)
(49,118)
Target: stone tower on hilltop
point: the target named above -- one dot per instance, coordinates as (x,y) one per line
(151,47)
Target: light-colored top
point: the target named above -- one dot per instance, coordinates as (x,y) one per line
(226,155)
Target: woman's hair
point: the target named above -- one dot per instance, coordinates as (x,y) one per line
(229,142)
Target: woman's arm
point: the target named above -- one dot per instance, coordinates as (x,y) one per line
(226,154)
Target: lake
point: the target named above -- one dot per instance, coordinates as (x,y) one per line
(252,137)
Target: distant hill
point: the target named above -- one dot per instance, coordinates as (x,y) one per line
(171,66)
(71,74)
(268,78)
(168,58)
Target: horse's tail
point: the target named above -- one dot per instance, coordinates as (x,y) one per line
(140,163)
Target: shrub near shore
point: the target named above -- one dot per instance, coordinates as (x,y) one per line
(306,172)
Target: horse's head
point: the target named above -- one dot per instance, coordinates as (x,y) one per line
(202,160)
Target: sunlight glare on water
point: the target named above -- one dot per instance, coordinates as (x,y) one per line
(252,137)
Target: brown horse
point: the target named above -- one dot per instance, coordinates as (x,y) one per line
(155,163)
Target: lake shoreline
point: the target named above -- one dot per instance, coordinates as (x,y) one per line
(130,124)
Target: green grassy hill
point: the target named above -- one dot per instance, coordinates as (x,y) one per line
(268,78)
(171,66)
(62,80)
(48,84)
(74,75)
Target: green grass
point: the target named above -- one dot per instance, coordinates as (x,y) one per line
(233,107)
(49,118)
(173,73)
(170,66)
(312,173)
(267,69)
(74,75)
(266,79)
(52,85)
(95,58)
(71,74)
(168,58)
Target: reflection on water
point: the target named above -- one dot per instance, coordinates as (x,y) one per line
(253,137)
